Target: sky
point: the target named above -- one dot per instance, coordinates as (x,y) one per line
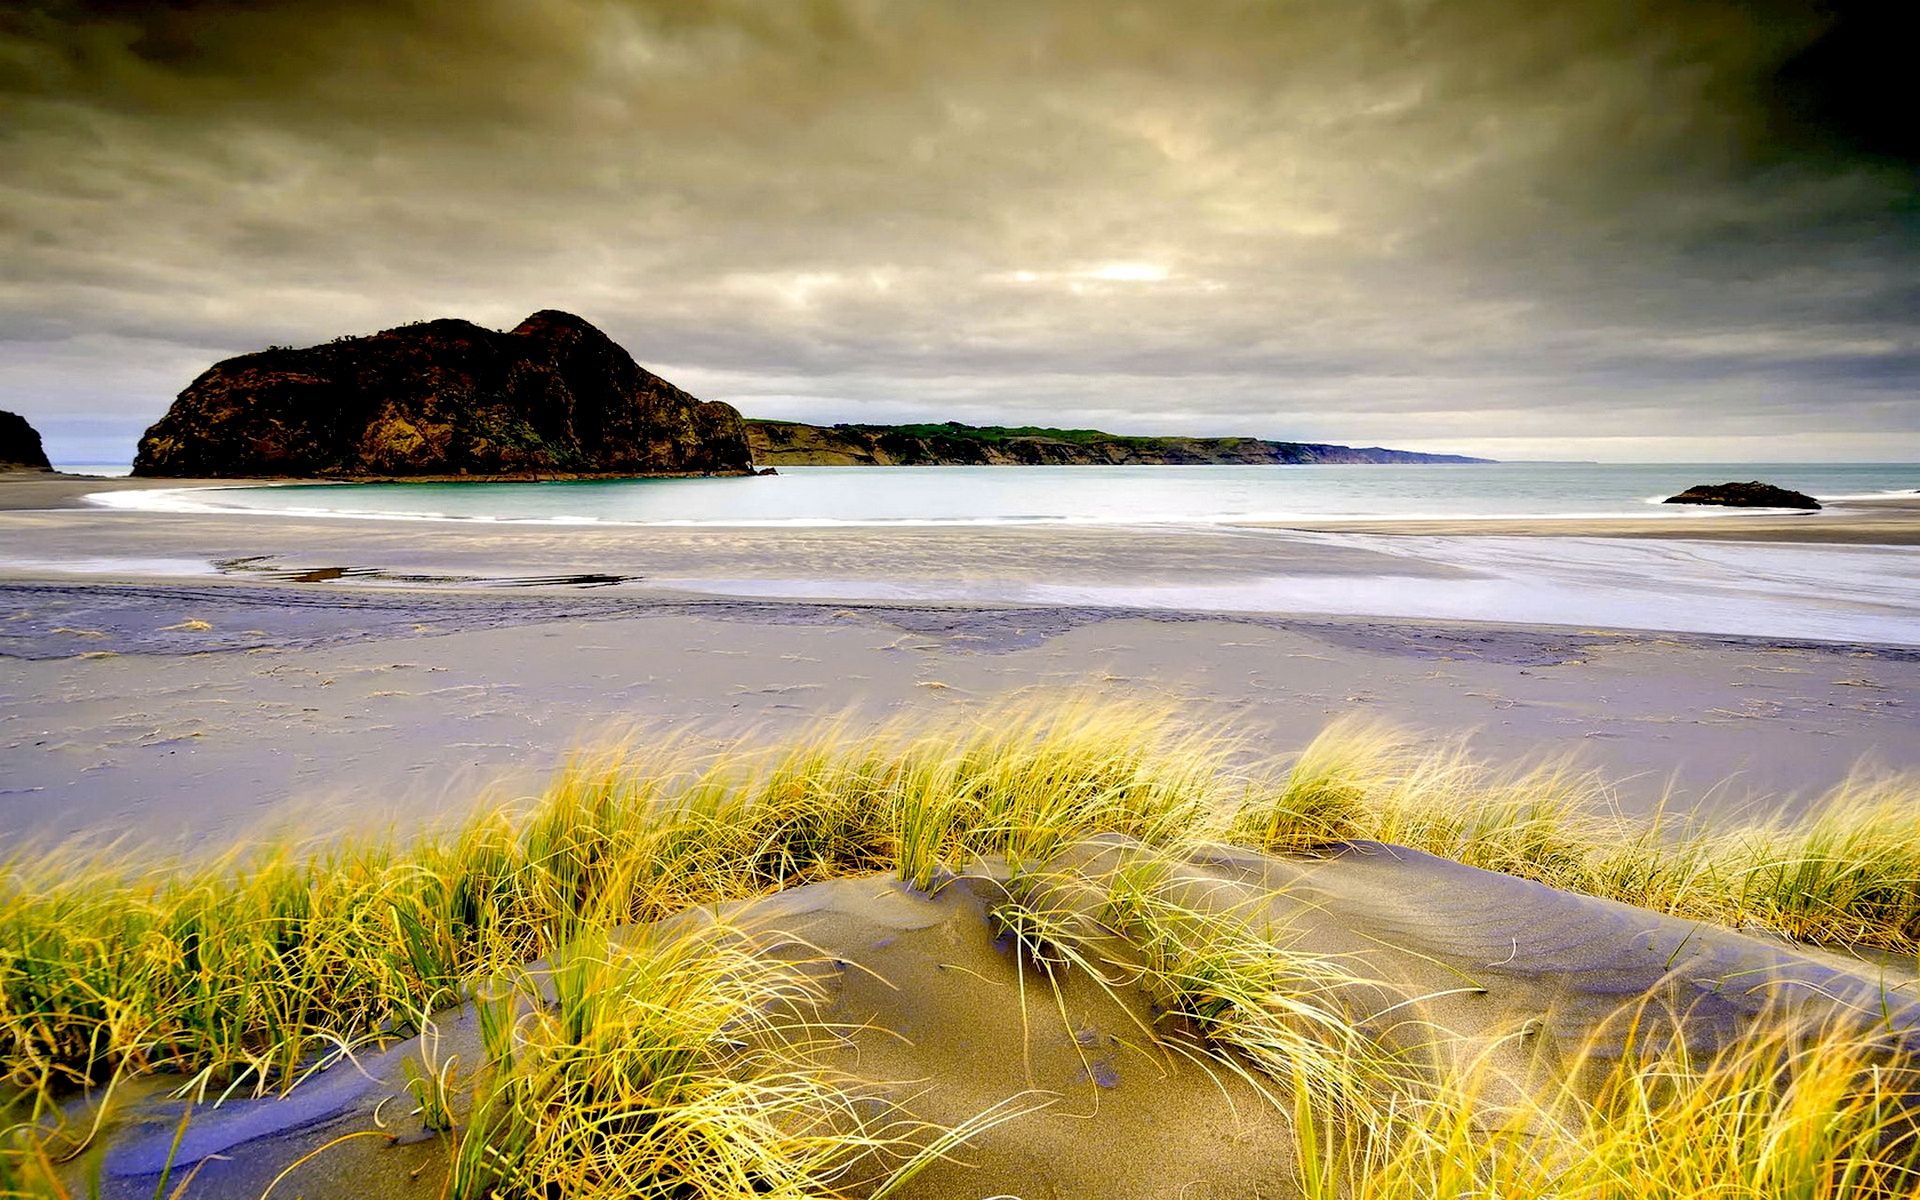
(1596,229)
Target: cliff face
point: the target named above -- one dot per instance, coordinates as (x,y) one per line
(20,448)
(791,443)
(552,397)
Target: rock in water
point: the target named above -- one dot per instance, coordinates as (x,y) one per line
(20,447)
(553,397)
(1752,494)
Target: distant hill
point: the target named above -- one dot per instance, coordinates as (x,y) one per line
(552,397)
(795,444)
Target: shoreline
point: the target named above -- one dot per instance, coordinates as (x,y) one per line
(1843,579)
(1886,520)
(1876,521)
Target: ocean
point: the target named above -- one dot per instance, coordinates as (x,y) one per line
(826,496)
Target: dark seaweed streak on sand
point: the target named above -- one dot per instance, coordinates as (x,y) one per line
(265,566)
(46,621)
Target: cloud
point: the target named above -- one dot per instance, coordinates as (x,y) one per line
(1473,222)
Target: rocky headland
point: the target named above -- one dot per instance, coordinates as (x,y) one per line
(553,397)
(794,443)
(20,448)
(1752,494)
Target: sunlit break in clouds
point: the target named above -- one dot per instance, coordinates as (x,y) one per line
(1680,229)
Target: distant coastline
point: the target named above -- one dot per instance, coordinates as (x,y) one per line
(950,443)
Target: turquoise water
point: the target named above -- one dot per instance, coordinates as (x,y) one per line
(802,496)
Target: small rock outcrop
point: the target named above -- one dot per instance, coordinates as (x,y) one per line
(1752,494)
(553,397)
(20,448)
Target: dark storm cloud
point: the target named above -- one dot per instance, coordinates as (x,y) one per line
(1609,228)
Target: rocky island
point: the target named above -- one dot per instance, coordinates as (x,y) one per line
(20,448)
(1752,494)
(950,443)
(553,397)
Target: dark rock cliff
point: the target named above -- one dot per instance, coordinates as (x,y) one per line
(20,447)
(792,443)
(552,397)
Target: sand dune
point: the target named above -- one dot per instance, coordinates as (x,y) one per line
(942,1013)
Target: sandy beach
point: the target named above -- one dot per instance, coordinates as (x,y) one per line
(190,678)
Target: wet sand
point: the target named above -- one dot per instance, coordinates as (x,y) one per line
(199,712)
(188,678)
(1889,521)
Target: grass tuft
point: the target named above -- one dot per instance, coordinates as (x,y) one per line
(1845,871)
(684,1066)
(1782,1113)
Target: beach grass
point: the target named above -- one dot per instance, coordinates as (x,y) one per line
(1784,1112)
(683,1065)
(239,969)
(1243,996)
(239,974)
(1843,870)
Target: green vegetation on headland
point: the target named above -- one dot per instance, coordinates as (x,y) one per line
(793,443)
(690,1061)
